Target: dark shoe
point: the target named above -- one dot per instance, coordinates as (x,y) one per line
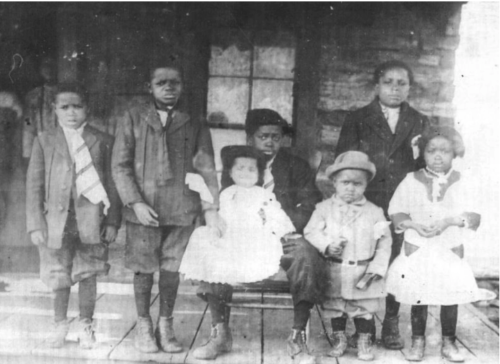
(450,351)
(144,339)
(165,336)
(352,340)
(85,332)
(365,347)
(417,349)
(57,336)
(339,344)
(390,334)
(220,341)
(297,347)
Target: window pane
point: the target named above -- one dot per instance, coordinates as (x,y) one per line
(227,100)
(274,62)
(276,95)
(229,54)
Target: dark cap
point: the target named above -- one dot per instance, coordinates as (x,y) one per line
(260,117)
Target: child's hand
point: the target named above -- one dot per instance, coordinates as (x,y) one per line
(214,220)
(145,214)
(422,230)
(109,233)
(440,226)
(38,237)
(336,248)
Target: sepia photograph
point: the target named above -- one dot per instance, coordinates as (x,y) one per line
(249,182)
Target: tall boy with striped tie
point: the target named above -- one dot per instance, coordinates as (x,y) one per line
(73,210)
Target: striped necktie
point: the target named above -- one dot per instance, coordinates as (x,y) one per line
(268,179)
(88,182)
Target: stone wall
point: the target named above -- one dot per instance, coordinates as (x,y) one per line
(425,37)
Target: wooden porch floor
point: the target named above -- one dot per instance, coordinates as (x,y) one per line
(259,335)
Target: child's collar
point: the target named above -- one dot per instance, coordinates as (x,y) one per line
(339,202)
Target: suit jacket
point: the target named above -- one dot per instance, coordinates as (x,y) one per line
(135,164)
(51,184)
(295,187)
(367,130)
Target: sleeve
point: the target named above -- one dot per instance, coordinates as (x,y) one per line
(399,206)
(349,137)
(114,214)
(307,194)
(29,128)
(204,164)
(35,190)
(382,254)
(122,163)
(315,231)
(276,218)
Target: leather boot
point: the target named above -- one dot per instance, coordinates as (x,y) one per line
(220,341)
(450,351)
(86,334)
(417,349)
(165,336)
(365,347)
(390,334)
(144,339)
(57,336)
(297,347)
(339,344)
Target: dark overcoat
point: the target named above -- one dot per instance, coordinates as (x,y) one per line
(295,187)
(136,164)
(51,183)
(367,130)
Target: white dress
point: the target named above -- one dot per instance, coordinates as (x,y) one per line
(433,274)
(250,250)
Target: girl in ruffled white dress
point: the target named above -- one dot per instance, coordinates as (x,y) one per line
(432,207)
(249,250)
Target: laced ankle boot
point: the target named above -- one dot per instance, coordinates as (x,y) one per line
(417,349)
(220,341)
(165,336)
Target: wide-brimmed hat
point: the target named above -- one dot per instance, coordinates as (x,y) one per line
(260,117)
(352,160)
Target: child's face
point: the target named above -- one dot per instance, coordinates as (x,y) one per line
(438,154)
(350,185)
(393,87)
(166,86)
(245,172)
(70,110)
(267,139)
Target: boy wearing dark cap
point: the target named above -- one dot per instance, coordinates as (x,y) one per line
(292,180)
(387,131)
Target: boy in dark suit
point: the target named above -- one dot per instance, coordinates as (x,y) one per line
(73,209)
(159,145)
(387,130)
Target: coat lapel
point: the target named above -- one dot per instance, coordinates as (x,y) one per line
(89,137)
(279,170)
(403,128)
(151,117)
(377,122)
(61,146)
(179,119)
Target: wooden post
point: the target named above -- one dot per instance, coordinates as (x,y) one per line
(306,93)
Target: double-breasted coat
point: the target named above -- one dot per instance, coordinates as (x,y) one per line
(368,238)
(51,185)
(367,130)
(137,166)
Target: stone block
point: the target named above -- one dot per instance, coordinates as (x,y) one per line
(447,59)
(329,135)
(429,60)
(449,43)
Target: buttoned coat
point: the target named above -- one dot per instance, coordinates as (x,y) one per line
(367,130)
(135,164)
(295,187)
(365,240)
(51,183)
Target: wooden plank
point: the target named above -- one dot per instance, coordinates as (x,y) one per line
(188,312)
(246,329)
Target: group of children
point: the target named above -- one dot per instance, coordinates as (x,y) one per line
(160,171)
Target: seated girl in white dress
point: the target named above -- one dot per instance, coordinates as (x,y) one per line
(432,208)
(249,250)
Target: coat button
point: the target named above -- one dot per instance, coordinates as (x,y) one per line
(61,208)
(391,161)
